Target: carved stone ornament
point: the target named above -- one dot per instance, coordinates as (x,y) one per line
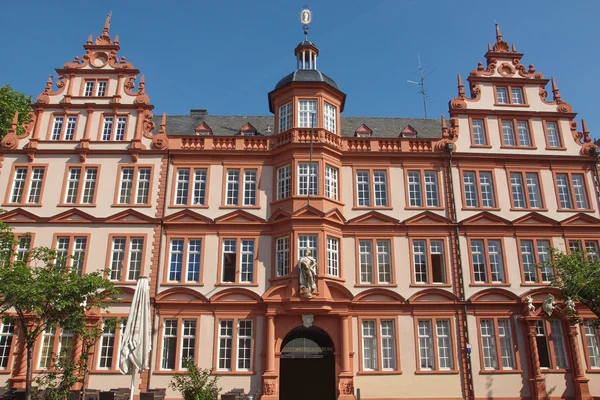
(570,306)
(307,274)
(530,306)
(548,305)
(346,386)
(269,387)
(307,320)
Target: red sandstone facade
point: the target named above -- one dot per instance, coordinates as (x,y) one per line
(425,232)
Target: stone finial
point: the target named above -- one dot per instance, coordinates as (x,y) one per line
(90,38)
(106,25)
(555,91)
(444,125)
(48,84)
(514,48)
(461,87)
(116,41)
(584,127)
(498,34)
(489,47)
(163,124)
(13,124)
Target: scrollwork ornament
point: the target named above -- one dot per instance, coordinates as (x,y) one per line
(346,386)
(269,388)
(160,142)
(148,125)
(458,104)
(564,107)
(10,141)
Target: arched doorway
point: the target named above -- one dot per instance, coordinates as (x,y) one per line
(307,365)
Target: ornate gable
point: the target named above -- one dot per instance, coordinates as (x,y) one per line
(363,131)
(203,129)
(130,217)
(19,216)
(535,219)
(581,220)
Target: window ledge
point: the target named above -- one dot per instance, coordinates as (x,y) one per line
(481,146)
(556,148)
(500,371)
(280,278)
(491,284)
(592,371)
(399,372)
(247,373)
(525,284)
(75,205)
(229,284)
(106,372)
(228,207)
(575,210)
(21,205)
(480,208)
(131,205)
(194,284)
(554,371)
(511,105)
(437,372)
(409,208)
(446,285)
(518,147)
(375,285)
(529,209)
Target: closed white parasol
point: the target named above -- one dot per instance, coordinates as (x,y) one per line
(137,339)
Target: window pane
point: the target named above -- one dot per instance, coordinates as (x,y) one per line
(143,186)
(35,185)
(420,261)
(369,346)
(126,185)
(488,344)
(502,95)
(135,258)
(233,187)
(244,345)
(284,182)
(169,344)
(487,190)
(229,260)
(559,344)
(7,330)
(183,185)
(89,185)
(591,341)
(431,189)
(194,257)
(330,119)
(365,251)
(285,117)
(478,132)
(380,184)
(250,187)
(363,192)
(506,344)
(528,261)
(579,191)
(533,190)
(445,359)
(478,260)
(518,195)
(308,180)
(333,256)
(470,188)
(516,96)
(523,132)
(414,189)
(384,266)
(188,341)
(331,182)
(306,118)
(552,134)
(508,133)
(225,344)
(73,185)
(564,192)
(388,345)
(247,261)
(176,263)
(425,345)
(118,257)
(199,197)
(438,268)
(18,185)
(282,267)
(496,263)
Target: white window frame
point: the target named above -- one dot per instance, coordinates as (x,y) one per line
(284,181)
(330,115)
(308,179)
(282,256)
(285,117)
(333,256)
(331,182)
(306,118)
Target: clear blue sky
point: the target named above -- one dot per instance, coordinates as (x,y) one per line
(226,56)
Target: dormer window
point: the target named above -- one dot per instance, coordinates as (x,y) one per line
(363,131)
(307,112)
(203,129)
(248,133)
(285,117)
(248,130)
(330,118)
(95,88)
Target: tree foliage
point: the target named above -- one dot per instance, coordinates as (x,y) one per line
(11,101)
(39,291)
(196,383)
(577,276)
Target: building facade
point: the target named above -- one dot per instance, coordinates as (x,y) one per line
(423,235)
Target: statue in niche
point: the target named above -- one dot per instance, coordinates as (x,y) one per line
(307,274)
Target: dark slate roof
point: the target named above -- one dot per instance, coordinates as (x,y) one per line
(231,125)
(306,75)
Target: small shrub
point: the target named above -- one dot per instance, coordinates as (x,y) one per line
(196,383)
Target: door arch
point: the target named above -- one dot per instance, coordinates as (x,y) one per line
(307,365)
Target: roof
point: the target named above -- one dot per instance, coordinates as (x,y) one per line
(306,75)
(231,125)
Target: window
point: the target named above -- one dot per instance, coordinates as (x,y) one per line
(23,247)
(510,95)
(478,188)
(285,117)
(238,342)
(553,137)
(523,138)
(172,341)
(112,130)
(284,182)
(331,182)
(127,255)
(525,187)
(534,252)
(307,113)
(185,257)
(238,261)
(330,118)
(487,261)
(423,189)
(190,187)
(516,95)
(591,345)
(479,132)
(333,256)
(591,248)
(70,252)
(375,261)
(134,187)
(435,345)
(282,257)
(95,88)
(51,349)
(248,194)
(81,185)
(62,130)
(371,193)
(47,350)
(110,343)
(551,348)
(28,182)
(572,191)
(497,348)
(429,261)
(379,349)
(309,242)
(308,179)
(7,330)
(501,95)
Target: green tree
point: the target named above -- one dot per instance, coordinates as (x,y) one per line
(43,293)
(196,383)
(11,101)
(577,276)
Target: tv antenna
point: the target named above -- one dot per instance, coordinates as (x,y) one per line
(423,73)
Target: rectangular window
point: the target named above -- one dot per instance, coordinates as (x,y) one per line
(375,267)
(284,182)
(308,179)
(101,88)
(7,330)
(523,133)
(282,257)
(47,348)
(330,118)
(333,256)
(308,242)
(591,248)
(487,261)
(126,258)
(427,190)
(191,179)
(552,135)
(479,135)
(551,348)
(70,252)
(225,345)
(501,95)
(81,185)
(112,130)
(534,252)
(95,88)
(331,182)
(478,187)
(134,187)
(429,261)
(89,88)
(497,349)
(508,133)
(60,131)
(517,95)
(238,261)
(241,338)
(107,345)
(510,95)
(525,187)
(248,194)
(285,117)
(27,185)
(169,344)
(379,350)
(371,192)
(188,342)
(591,343)
(244,345)
(307,113)
(250,187)
(184,260)
(435,345)
(23,247)
(369,345)
(572,191)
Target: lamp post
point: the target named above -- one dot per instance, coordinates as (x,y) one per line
(312,114)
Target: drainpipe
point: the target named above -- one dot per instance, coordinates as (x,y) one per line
(450,148)
(595,151)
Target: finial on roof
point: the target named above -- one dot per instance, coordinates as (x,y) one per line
(13,125)
(461,87)
(305,18)
(116,41)
(444,126)
(89,41)
(555,91)
(489,47)
(48,84)
(106,24)
(514,48)
(498,34)
(163,124)
(500,46)
(584,127)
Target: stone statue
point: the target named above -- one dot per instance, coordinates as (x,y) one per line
(570,305)
(530,306)
(549,305)
(307,274)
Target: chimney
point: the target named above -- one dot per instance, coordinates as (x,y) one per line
(199,112)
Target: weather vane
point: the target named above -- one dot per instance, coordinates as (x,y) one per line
(305,18)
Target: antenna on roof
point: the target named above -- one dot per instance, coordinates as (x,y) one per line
(423,73)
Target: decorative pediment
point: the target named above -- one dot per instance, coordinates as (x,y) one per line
(280,215)
(239,217)
(378,295)
(485,218)
(130,217)
(74,215)
(540,294)
(181,295)
(363,131)
(373,218)
(535,219)
(236,296)
(339,292)
(187,217)
(335,215)
(408,131)
(581,220)
(433,295)
(495,295)
(427,218)
(308,212)
(203,129)
(248,129)
(19,216)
